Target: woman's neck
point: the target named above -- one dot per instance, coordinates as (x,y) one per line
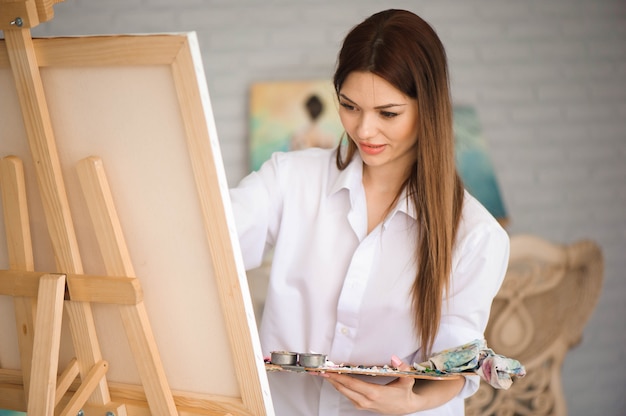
(382,187)
(382,180)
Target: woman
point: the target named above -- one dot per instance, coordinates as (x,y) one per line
(379,253)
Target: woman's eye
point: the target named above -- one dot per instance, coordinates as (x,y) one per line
(388,114)
(347,106)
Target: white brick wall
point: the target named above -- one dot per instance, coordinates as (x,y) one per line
(548,79)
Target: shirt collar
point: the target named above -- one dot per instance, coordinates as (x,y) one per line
(405,205)
(351,178)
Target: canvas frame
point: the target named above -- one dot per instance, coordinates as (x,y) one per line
(179,54)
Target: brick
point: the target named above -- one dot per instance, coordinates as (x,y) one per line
(505,51)
(561,92)
(531,29)
(508,93)
(537,113)
(589,111)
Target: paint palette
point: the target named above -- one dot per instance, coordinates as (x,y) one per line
(384,371)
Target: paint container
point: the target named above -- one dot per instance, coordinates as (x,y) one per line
(312,360)
(283,357)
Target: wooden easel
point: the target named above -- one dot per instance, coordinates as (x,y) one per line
(41,297)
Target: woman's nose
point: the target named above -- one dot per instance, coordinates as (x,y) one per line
(367,127)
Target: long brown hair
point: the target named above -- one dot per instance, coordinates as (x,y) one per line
(403,49)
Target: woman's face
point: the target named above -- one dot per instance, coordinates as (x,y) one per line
(380,119)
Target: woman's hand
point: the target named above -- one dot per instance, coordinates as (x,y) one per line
(401,396)
(395,398)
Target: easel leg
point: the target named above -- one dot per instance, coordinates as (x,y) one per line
(41,399)
(40,135)
(117,262)
(20,249)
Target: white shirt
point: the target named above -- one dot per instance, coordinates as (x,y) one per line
(337,290)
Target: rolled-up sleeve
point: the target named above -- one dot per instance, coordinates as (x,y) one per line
(480,264)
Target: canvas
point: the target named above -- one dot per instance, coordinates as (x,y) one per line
(136,109)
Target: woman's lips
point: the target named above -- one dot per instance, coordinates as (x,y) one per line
(371,149)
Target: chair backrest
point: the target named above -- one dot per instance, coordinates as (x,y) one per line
(548,295)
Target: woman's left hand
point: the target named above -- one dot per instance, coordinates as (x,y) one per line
(395,398)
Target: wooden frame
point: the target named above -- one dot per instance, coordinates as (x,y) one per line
(138,105)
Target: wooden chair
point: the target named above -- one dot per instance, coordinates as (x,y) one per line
(548,294)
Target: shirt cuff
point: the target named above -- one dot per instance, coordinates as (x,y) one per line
(472,383)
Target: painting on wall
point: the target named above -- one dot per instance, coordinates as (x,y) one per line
(473,161)
(290,115)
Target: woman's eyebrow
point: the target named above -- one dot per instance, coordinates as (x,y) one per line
(382,107)
(346,98)
(378,107)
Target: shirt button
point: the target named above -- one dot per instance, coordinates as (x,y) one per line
(344,331)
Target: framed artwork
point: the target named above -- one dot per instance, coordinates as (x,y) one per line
(474,163)
(291,115)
